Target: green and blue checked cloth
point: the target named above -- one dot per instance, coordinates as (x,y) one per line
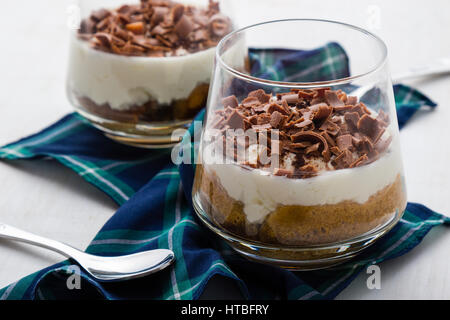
(154,200)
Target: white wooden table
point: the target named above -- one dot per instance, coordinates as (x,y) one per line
(51,200)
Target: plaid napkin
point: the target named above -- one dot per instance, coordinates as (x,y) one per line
(153,196)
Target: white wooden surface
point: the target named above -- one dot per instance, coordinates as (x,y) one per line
(50,200)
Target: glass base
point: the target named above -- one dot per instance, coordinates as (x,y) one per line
(297,258)
(141,135)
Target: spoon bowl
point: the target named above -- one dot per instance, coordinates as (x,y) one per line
(126,267)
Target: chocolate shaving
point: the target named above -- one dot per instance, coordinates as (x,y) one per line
(333,99)
(361,161)
(319,95)
(104,38)
(351,100)
(313,137)
(235,120)
(344,160)
(200,35)
(264,118)
(359,109)
(383,118)
(365,145)
(299,145)
(303,124)
(230,101)
(282,172)
(364,108)
(345,142)
(305,94)
(352,119)
(313,148)
(183,27)
(158,15)
(343,109)
(260,95)
(322,113)
(330,127)
(285,106)
(336,151)
(177,12)
(131,49)
(315,107)
(262,127)
(250,101)
(327,137)
(121,33)
(291,98)
(370,127)
(276,107)
(307,171)
(275,119)
(87,26)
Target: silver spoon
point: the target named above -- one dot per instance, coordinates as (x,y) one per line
(101,268)
(437,68)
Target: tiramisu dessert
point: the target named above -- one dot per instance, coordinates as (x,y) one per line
(145,62)
(335,169)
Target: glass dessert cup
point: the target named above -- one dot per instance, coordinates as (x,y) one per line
(140,69)
(302,172)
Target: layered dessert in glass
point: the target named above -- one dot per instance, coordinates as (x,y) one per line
(300,165)
(143,69)
(338,172)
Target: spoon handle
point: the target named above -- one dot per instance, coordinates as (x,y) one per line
(11,233)
(438,67)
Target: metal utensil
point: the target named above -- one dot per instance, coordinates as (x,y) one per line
(101,268)
(440,67)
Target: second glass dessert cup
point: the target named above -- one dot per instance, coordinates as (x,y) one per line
(299,161)
(139,70)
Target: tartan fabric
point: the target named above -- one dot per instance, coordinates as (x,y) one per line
(155,210)
(327,63)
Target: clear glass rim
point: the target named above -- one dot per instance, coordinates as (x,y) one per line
(315,84)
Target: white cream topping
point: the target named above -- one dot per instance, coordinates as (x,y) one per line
(123,81)
(261,193)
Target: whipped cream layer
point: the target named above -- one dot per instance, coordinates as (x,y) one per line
(261,192)
(124,81)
